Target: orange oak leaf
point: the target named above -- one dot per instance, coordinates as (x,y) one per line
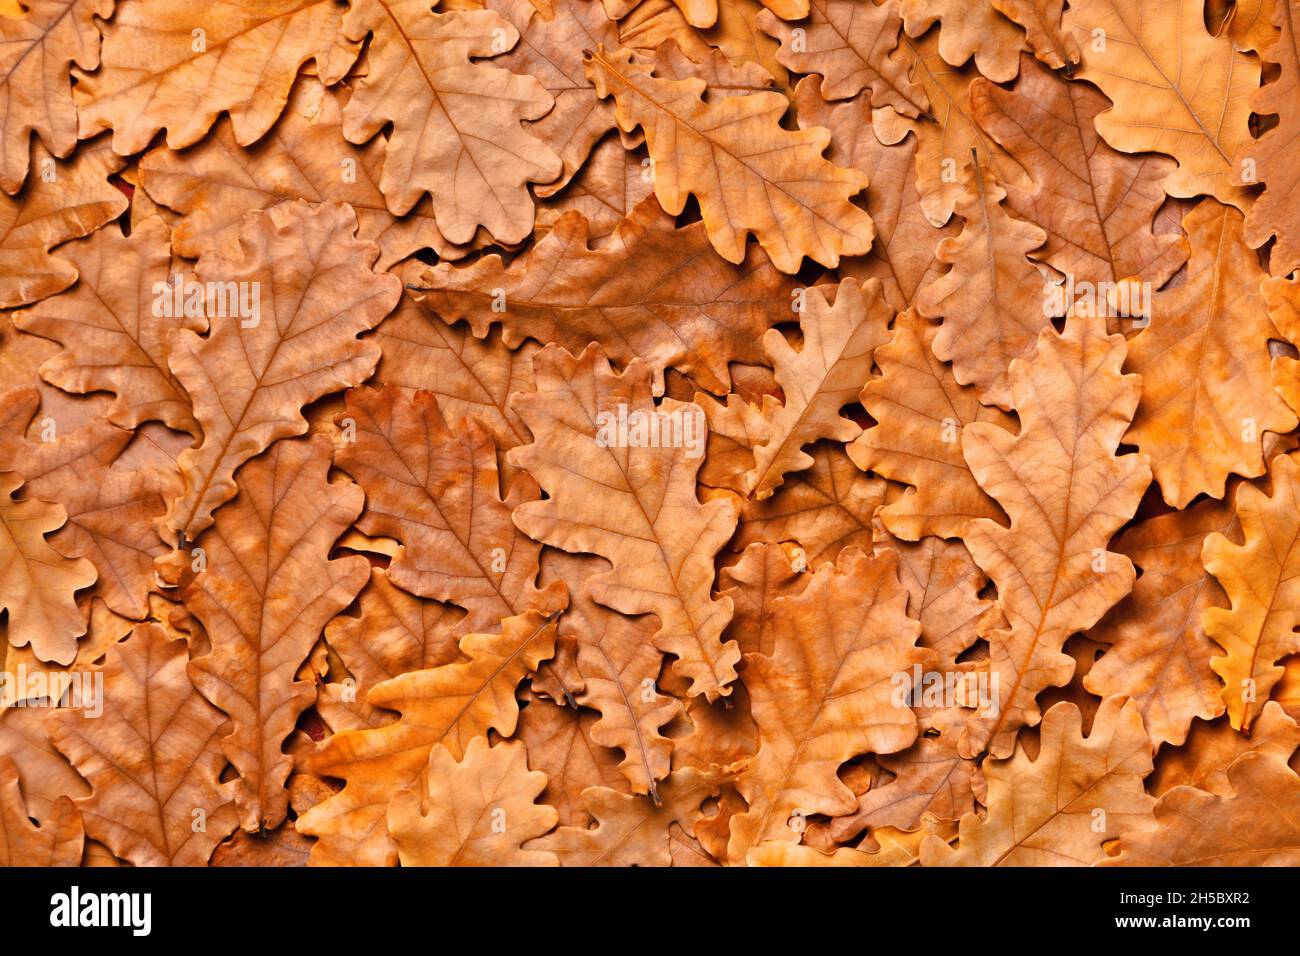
(67,199)
(269,589)
(44,775)
(854,47)
(478,811)
(559,744)
(764,573)
(1067,492)
(1207,397)
(445,706)
(651,290)
(35,89)
(153,758)
(993,300)
(213,183)
(1254,826)
(1059,809)
(616,491)
(969,28)
(113,338)
(57,842)
(610,185)
(1177,90)
(1096,204)
(290,339)
(825,694)
(920,412)
(1159,653)
(457,129)
(436,490)
(1259,628)
(748,173)
(1213,746)
(1041,21)
(171,65)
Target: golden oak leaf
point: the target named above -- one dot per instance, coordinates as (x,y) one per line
(269,589)
(748,173)
(722,78)
(1213,746)
(1096,204)
(819,379)
(67,199)
(822,510)
(920,411)
(457,130)
(643,25)
(559,744)
(1207,398)
(153,758)
(478,811)
(448,706)
(250,376)
(633,830)
(1066,492)
(825,695)
(1041,21)
(436,490)
(610,185)
(22,843)
(1283,299)
(113,338)
(630,498)
(1159,653)
(737,35)
(550,50)
(651,290)
(1254,826)
(969,28)
(763,574)
(854,47)
(1177,90)
(171,65)
(993,301)
(1249,23)
(1272,159)
(1059,809)
(35,89)
(216,181)
(1259,578)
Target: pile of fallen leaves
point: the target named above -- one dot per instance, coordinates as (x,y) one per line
(649,432)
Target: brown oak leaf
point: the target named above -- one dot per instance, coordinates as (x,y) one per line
(57,842)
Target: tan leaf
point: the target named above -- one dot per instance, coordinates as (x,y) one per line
(1041,21)
(610,185)
(153,757)
(478,811)
(763,574)
(559,745)
(22,843)
(1213,746)
(44,774)
(969,28)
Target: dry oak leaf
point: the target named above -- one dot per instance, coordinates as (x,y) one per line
(853,47)
(797,854)
(284,847)
(969,28)
(444,706)
(764,573)
(38,585)
(825,695)
(153,758)
(1207,395)
(559,744)
(1277,210)
(1177,90)
(1041,20)
(633,830)
(457,129)
(993,301)
(250,377)
(304,156)
(550,50)
(57,842)
(168,64)
(113,338)
(1249,23)
(268,591)
(1159,653)
(819,379)
(737,35)
(748,174)
(1283,298)
(35,90)
(44,775)
(436,490)
(606,190)
(1096,204)
(1213,746)
(652,290)
(1257,825)
(478,811)
(1260,579)
(920,411)
(1066,492)
(1043,812)
(467,375)
(634,506)
(71,198)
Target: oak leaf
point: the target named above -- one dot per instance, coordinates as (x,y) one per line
(1213,746)
(1041,21)
(764,573)
(969,28)
(22,843)
(559,744)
